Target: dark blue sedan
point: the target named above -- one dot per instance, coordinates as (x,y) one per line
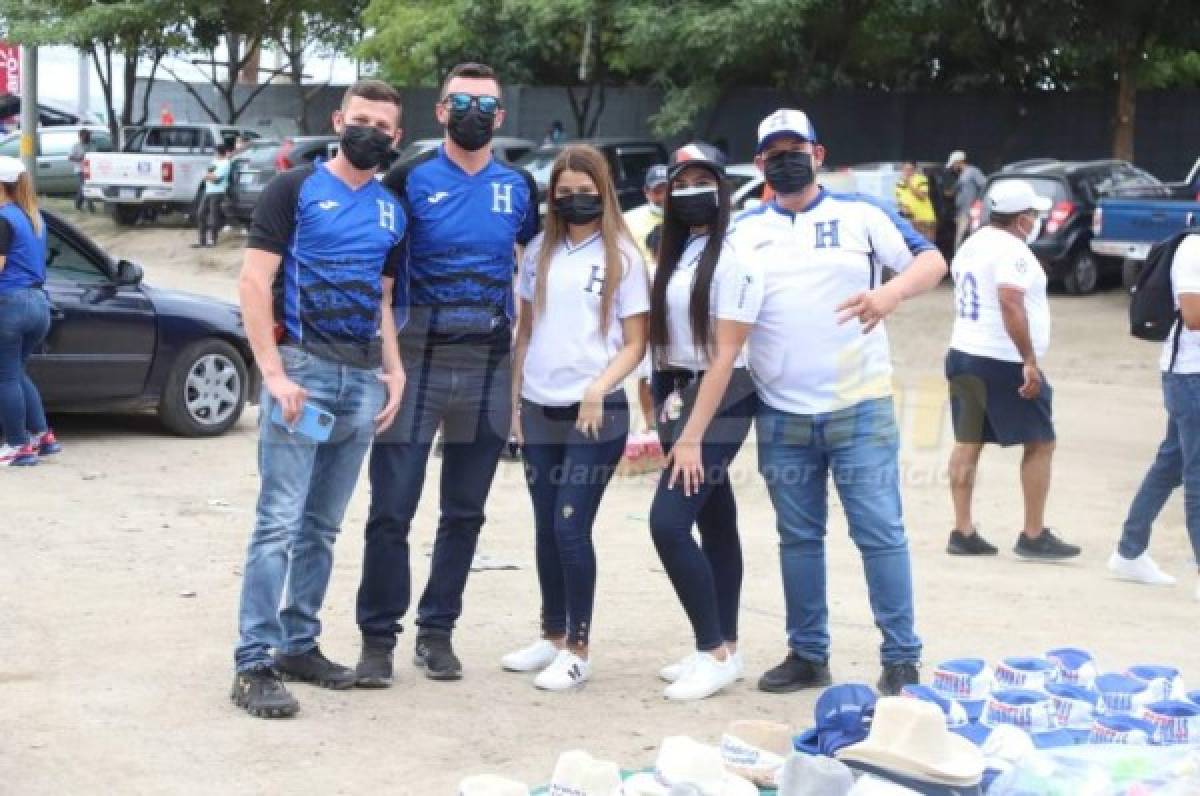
(118,344)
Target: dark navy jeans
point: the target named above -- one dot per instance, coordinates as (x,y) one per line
(707,577)
(567,473)
(1177,464)
(467,391)
(24,324)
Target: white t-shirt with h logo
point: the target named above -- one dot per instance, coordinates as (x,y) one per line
(803,361)
(569,348)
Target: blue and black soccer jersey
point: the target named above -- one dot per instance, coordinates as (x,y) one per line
(337,244)
(462,233)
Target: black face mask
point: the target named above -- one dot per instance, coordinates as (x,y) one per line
(696,209)
(789,173)
(471,130)
(579,208)
(365,147)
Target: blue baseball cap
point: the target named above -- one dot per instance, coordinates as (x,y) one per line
(656,175)
(1073,666)
(784,122)
(843,717)
(1074,708)
(967,680)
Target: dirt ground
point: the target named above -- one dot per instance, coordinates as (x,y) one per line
(123,557)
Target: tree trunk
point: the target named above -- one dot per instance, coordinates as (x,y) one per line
(104,70)
(1123,128)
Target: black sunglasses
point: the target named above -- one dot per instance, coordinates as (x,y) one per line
(461,102)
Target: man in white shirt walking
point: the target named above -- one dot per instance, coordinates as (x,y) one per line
(819,357)
(998,394)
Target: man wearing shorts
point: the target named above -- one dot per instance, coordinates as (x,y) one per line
(998,394)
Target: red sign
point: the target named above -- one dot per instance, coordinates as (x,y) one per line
(10,68)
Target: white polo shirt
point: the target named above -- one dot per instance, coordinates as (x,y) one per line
(803,361)
(735,295)
(569,348)
(1185,278)
(988,260)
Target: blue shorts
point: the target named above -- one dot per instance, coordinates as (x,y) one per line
(986,408)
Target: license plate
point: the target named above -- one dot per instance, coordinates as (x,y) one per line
(128,193)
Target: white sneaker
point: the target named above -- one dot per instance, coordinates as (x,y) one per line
(534,658)
(1141,569)
(705,677)
(565,672)
(672,672)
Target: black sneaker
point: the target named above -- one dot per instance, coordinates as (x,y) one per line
(794,674)
(374,668)
(897,675)
(313,667)
(972,544)
(1046,547)
(261,693)
(436,656)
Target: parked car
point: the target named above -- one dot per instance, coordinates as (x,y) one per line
(629,159)
(1062,238)
(120,345)
(254,167)
(1127,228)
(159,169)
(55,174)
(510,150)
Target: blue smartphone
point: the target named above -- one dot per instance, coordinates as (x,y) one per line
(314,422)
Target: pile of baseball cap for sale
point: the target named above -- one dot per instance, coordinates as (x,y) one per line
(1049,724)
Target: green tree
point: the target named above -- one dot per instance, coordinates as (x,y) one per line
(311,29)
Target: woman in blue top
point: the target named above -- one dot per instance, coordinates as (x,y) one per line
(24,317)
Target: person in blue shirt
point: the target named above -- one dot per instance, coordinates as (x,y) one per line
(24,317)
(209,216)
(468,213)
(326,247)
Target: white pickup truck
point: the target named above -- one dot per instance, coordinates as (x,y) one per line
(159,169)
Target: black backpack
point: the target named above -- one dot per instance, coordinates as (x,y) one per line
(1152,310)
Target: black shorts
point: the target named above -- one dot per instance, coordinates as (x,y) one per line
(985,406)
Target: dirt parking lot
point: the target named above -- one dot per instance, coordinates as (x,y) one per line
(122,561)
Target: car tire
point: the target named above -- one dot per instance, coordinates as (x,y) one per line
(127,215)
(1130,271)
(1083,274)
(192,403)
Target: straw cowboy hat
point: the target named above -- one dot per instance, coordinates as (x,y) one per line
(684,761)
(577,773)
(756,750)
(910,737)
(489,785)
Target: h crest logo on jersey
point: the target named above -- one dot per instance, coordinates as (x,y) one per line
(502,198)
(387,215)
(596,281)
(827,234)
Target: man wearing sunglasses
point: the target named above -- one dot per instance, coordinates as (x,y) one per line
(467,214)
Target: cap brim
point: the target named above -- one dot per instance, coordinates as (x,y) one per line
(678,168)
(775,136)
(808,742)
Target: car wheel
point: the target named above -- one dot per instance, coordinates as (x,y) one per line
(1083,274)
(127,215)
(1130,271)
(205,390)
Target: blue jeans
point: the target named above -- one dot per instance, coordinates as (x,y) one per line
(467,391)
(1177,463)
(859,447)
(707,577)
(301,502)
(24,324)
(567,473)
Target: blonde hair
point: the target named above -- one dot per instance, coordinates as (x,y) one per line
(584,159)
(21,194)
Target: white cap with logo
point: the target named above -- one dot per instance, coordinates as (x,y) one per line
(785,121)
(1015,196)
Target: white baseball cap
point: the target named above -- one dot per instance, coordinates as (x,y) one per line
(1015,196)
(784,121)
(957,156)
(10,168)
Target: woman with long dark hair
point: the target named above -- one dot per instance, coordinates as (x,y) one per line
(703,304)
(24,317)
(581,332)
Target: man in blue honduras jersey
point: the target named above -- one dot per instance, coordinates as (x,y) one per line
(820,360)
(325,250)
(467,213)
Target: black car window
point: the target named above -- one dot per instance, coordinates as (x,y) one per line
(177,139)
(65,261)
(635,163)
(134,140)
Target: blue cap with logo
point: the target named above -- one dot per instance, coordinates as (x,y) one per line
(843,714)
(784,122)
(656,175)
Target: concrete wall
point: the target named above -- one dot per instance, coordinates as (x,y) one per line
(855,127)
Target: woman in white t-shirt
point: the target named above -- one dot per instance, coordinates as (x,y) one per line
(582,330)
(704,302)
